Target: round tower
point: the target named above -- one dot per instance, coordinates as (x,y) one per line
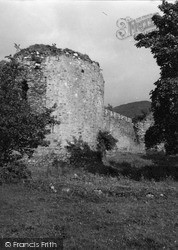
(70,80)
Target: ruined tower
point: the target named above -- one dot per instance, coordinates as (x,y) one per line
(70,80)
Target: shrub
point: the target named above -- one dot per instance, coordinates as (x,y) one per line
(81,155)
(14,172)
(105,141)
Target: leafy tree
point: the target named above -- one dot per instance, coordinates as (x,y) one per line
(21,129)
(163,43)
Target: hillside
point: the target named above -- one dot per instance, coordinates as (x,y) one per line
(133,109)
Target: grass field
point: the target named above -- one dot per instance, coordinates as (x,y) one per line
(133,210)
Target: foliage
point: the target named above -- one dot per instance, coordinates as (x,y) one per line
(141,117)
(21,129)
(105,141)
(163,43)
(81,155)
(152,137)
(14,172)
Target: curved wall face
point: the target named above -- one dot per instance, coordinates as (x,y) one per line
(77,87)
(74,84)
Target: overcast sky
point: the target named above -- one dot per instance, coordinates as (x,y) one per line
(88,27)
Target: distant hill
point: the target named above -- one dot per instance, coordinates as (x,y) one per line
(133,109)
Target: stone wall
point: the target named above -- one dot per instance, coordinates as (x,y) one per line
(141,128)
(122,129)
(73,82)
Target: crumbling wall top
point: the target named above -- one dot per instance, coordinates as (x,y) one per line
(42,51)
(116,116)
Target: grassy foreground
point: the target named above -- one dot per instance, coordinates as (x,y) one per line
(135,210)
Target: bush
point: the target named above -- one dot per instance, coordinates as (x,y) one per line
(105,141)
(14,172)
(81,155)
(153,137)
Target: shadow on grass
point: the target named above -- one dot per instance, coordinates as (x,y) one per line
(161,168)
(101,169)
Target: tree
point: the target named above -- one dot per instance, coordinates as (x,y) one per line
(163,43)
(21,129)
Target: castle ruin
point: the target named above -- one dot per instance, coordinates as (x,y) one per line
(74,83)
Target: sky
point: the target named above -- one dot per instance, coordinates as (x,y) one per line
(88,27)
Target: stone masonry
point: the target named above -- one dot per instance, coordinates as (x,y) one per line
(121,128)
(71,81)
(74,83)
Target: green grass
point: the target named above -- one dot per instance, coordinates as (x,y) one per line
(92,211)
